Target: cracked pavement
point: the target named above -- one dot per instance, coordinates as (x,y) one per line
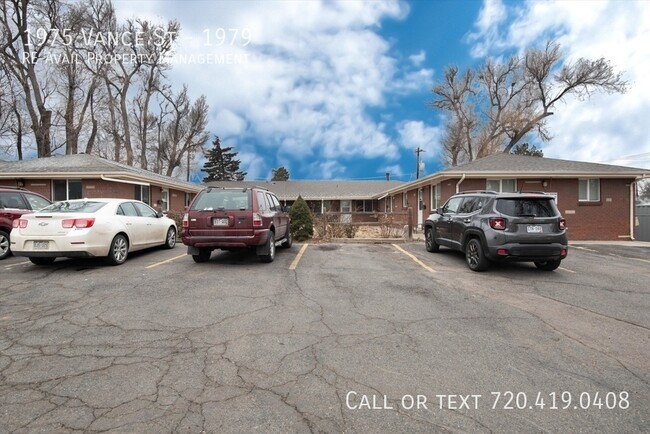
(234,345)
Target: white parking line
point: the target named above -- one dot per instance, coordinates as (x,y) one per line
(294,264)
(8,267)
(165,261)
(417,261)
(566,269)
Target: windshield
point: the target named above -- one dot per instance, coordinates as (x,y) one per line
(527,207)
(211,200)
(70,207)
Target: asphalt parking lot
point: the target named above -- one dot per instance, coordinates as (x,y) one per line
(328,338)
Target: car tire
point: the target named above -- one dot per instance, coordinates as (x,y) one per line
(270,248)
(203,256)
(41,261)
(118,251)
(430,241)
(288,241)
(5,250)
(170,241)
(474,256)
(551,265)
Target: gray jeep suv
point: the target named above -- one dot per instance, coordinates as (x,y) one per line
(489,226)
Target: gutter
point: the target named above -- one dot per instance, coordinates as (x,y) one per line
(124,181)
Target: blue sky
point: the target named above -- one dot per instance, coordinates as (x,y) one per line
(339,89)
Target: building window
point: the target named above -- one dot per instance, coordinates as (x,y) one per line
(164,196)
(435,197)
(589,190)
(188,199)
(405,201)
(142,194)
(66,189)
(501,185)
(364,206)
(346,206)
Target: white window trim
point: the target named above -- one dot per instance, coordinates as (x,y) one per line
(501,183)
(588,195)
(405,201)
(67,187)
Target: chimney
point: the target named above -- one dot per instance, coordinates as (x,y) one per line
(387,176)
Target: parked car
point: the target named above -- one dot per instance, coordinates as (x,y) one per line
(14,202)
(489,226)
(109,228)
(235,218)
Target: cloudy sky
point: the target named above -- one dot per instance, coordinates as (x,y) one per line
(339,89)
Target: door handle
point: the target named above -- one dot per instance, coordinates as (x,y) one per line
(467,220)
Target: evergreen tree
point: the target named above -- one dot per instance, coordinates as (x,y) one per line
(523,149)
(221,164)
(280,174)
(302,223)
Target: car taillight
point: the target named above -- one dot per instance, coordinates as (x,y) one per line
(78,223)
(19,223)
(562,224)
(257,220)
(498,223)
(186,221)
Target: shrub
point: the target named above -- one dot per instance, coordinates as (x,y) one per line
(302,223)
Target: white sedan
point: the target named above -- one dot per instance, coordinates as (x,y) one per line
(108,228)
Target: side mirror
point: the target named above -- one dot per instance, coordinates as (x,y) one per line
(159,214)
(439,211)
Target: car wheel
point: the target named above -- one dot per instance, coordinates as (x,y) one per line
(430,241)
(4,245)
(119,250)
(203,256)
(548,265)
(289,241)
(170,241)
(41,261)
(270,248)
(476,260)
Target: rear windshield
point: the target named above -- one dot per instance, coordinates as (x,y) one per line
(527,207)
(222,199)
(65,207)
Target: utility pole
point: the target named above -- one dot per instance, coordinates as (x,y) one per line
(418,151)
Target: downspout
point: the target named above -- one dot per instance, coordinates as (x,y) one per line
(459,182)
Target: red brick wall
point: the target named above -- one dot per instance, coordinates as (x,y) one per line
(98,188)
(608,219)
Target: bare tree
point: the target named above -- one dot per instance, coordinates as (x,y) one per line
(25,40)
(183,132)
(155,50)
(493,108)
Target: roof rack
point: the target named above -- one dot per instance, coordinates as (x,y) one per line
(478,191)
(13,187)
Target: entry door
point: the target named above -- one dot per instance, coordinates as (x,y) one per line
(420,209)
(346,211)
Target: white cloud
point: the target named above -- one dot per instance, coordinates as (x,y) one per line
(419,58)
(312,71)
(606,127)
(491,16)
(415,134)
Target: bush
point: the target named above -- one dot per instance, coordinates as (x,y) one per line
(302,223)
(177,216)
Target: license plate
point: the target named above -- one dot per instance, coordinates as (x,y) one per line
(220,222)
(534,229)
(41,245)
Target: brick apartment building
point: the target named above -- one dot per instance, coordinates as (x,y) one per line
(597,200)
(89,176)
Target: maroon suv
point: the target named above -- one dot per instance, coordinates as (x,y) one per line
(235,218)
(14,202)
